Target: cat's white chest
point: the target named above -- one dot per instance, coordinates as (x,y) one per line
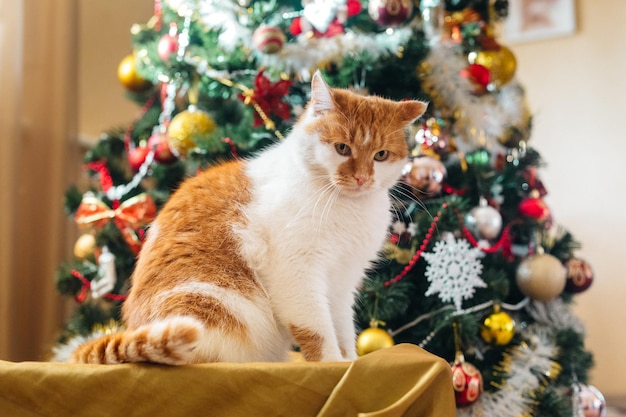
(291,221)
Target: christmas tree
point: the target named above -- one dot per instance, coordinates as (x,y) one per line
(475,270)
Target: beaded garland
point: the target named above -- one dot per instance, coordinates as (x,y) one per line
(504,238)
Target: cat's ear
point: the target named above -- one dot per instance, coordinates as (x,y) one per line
(410,110)
(321,95)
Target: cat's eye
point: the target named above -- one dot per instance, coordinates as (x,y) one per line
(381,155)
(342,149)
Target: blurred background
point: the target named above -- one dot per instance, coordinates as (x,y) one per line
(60,89)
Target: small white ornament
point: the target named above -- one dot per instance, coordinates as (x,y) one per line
(454,270)
(484,220)
(107,277)
(398,227)
(321,13)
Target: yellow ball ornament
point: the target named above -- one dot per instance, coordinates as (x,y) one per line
(498,328)
(85,246)
(373,339)
(187,124)
(500,62)
(128,77)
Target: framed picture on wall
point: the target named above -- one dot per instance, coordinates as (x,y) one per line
(531,20)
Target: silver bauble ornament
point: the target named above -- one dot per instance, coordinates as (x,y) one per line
(484,220)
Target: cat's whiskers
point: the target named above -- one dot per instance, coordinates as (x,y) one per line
(328,206)
(416,192)
(409,195)
(329,193)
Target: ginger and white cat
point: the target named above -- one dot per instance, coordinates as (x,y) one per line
(253,256)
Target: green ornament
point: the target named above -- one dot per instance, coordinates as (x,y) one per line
(480,158)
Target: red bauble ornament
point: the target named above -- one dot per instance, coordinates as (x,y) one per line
(296,26)
(168,44)
(137,156)
(534,207)
(158,143)
(353,7)
(579,275)
(466,381)
(479,75)
(389,13)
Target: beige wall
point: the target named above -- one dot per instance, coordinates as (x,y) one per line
(103,40)
(576,86)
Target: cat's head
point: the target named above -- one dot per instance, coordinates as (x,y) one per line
(360,141)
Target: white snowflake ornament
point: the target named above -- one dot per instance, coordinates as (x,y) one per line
(454,270)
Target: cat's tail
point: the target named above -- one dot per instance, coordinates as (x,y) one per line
(173,342)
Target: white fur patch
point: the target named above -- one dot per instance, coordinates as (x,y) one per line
(266,341)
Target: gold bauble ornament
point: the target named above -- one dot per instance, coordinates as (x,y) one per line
(500,62)
(128,77)
(185,125)
(498,328)
(541,277)
(85,246)
(372,339)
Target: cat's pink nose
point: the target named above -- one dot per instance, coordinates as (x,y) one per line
(361,178)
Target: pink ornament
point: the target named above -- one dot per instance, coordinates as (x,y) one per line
(159,144)
(168,44)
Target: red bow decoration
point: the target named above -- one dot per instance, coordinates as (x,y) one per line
(267,97)
(129,216)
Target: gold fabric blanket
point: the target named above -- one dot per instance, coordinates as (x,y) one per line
(403,380)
